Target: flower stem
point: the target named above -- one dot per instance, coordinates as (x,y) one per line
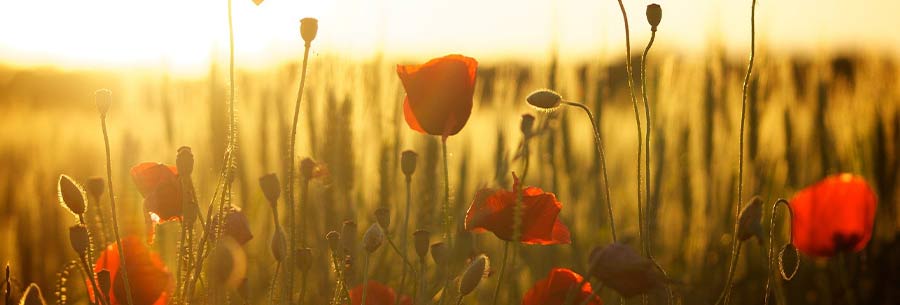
(502,272)
(735,244)
(446,207)
(404,240)
(365,281)
(112,207)
(599,143)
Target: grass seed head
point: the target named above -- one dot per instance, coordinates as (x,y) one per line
(654,15)
(383,216)
(421,241)
(309,27)
(184,161)
(79,239)
(373,238)
(95,187)
(473,274)
(71,196)
(544,99)
(103,97)
(408,162)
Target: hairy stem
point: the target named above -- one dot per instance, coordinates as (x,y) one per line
(637,120)
(112,208)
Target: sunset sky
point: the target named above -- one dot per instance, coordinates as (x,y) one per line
(188,34)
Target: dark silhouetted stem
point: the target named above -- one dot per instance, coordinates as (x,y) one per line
(112,208)
(502,272)
(637,120)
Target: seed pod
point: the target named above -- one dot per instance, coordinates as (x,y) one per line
(103,97)
(334,241)
(184,161)
(270,187)
(408,162)
(308,29)
(373,238)
(383,216)
(278,245)
(95,187)
(79,239)
(473,274)
(71,196)
(544,99)
(104,281)
(439,253)
(749,221)
(304,259)
(527,125)
(421,240)
(348,236)
(654,15)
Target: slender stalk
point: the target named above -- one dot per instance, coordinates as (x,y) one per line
(405,239)
(365,281)
(647,138)
(637,119)
(91,279)
(112,207)
(735,244)
(502,272)
(8,293)
(446,207)
(406,262)
(599,143)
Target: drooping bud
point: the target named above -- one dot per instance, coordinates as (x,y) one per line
(79,239)
(334,241)
(95,187)
(270,187)
(749,222)
(408,162)
(421,241)
(103,97)
(304,259)
(71,196)
(308,29)
(473,274)
(383,216)
(278,245)
(373,238)
(439,253)
(544,99)
(348,236)
(184,161)
(527,125)
(104,281)
(654,15)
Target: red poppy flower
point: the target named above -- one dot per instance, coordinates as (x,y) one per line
(149,279)
(159,185)
(377,294)
(556,288)
(439,94)
(492,210)
(833,215)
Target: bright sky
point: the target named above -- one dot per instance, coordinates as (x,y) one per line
(180,34)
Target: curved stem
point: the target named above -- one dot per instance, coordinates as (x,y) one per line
(735,244)
(112,208)
(647,138)
(599,143)
(771,251)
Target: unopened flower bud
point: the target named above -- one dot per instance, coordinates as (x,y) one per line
(184,161)
(439,253)
(304,259)
(95,187)
(308,29)
(307,168)
(408,162)
(544,99)
(104,100)
(334,241)
(527,125)
(78,237)
(383,216)
(624,270)
(373,238)
(421,241)
(473,274)
(71,196)
(749,224)
(278,245)
(269,185)
(654,15)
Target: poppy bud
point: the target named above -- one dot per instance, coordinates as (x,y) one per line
(269,185)
(304,259)
(348,236)
(749,221)
(373,238)
(334,241)
(104,280)
(307,168)
(95,187)
(624,270)
(78,237)
(544,99)
(788,256)
(421,240)
(439,252)
(654,15)
(408,162)
(237,226)
(308,29)
(103,98)
(278,246)
(473,274)
(71,196)
(184,161)
(527,125)
(383,216)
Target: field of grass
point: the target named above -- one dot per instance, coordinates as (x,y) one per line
(808,117)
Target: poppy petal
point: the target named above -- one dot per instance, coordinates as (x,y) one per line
(410,117)
(439,93)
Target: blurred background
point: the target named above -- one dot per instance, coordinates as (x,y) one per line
(824,99)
